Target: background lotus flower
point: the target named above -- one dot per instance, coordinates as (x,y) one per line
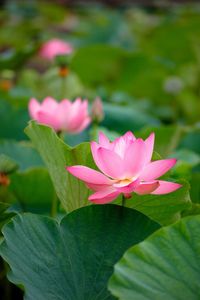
(97,112)
(65,116)
(55,47)
(126,167)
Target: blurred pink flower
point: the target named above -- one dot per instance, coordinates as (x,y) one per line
(97,112)
(65,116)
(55,47)
(126,167)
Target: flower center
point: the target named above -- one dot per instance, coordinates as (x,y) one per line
(123,182)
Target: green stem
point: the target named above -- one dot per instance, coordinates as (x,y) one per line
(94,131)
(123,200)
(63,88)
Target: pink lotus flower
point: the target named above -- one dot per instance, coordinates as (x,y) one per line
(62,116)
(126,167)
(55,47)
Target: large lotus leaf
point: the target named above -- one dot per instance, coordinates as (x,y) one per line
(195,195)
(165,266)
(4,216)
(195,187)
(165,209)
(193,210)
(33,189)
(22,153)
(72,260)
(56,155)
(13,120)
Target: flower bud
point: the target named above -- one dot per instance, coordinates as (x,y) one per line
(50,49)
(97,112)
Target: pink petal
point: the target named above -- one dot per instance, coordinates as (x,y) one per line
(126,188)
(62,112)
(78,115)
(84,105)
(76,105)
(89,175)
(134,159)
(120,145)
(107,161)
(49,105)
(65,104)
(149,142)
(49,120)
(94,147)
(34,107)
(96,187)
(157,168)
(129,136)
(104,141)
(84,125)
(74,122)
(166,187)
(146,187)
(105,196)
